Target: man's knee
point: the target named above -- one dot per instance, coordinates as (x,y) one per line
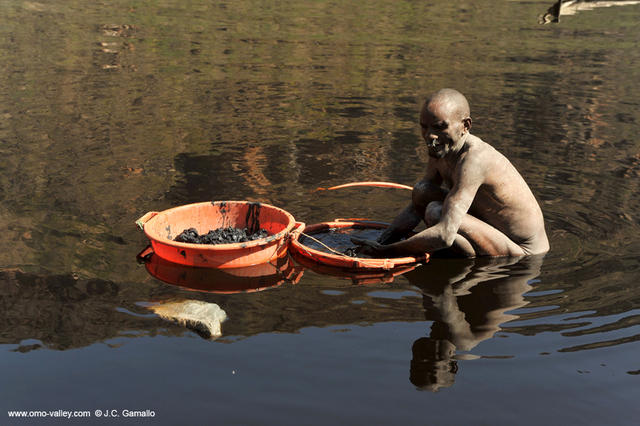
(432,213)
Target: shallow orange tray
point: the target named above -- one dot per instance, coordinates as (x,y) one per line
(343,261)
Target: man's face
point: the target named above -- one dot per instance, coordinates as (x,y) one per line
(441,129)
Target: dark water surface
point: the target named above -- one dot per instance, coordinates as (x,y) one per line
(109,110)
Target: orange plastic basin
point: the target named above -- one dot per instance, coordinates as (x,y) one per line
(162,227)
(345,262)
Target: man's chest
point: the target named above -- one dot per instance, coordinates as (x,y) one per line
(446,174)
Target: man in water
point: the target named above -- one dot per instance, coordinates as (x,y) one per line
(472,199)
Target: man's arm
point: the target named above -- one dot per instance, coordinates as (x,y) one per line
(404,223)
(469,175)
(428,187)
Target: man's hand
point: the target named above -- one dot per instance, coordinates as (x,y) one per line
(370,247)
(389,235)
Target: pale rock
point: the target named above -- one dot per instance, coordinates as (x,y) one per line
(202,317)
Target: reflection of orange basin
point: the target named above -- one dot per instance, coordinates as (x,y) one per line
(229,280)
(358,277)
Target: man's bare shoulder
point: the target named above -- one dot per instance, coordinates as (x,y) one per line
(482,154)
(476,147)
(476,158)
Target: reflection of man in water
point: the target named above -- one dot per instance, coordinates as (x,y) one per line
(472,199)
(467,301)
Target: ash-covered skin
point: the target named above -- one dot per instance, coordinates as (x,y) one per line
(220,236)
(472,199)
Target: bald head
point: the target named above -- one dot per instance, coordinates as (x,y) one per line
(445,122)
(449,101)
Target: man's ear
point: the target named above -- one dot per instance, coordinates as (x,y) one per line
(467,123)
